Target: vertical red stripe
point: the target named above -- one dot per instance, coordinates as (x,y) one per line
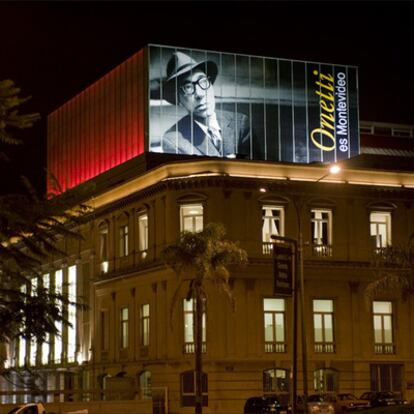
(101,127)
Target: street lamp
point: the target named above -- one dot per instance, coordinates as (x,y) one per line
(298,279)
(333,169)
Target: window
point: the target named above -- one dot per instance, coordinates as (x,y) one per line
(123,241)
(58,348)
(191,218)
(321,232)
(103,247)
(323,325)
(386,377)
(189,327)
(188,389)
(143,235)
(46,344)
(104,331)
(380,228)
(72,314)
(383,335)
(144,324)
(325,380)
(274,325)
(124,328)
(145,385)
(272,225)
(275,380)
(33,343)
(22,341)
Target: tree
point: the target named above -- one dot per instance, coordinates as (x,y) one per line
(199,259)
(30,226)
(394,270)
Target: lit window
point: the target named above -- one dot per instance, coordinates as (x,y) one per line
(321,232)
(145,324)
(143,235)
(124,328)
(58,348)
(380,228)
(188,389)
(191,217)
(275,380)
(22,341)
(383,334)
(274,325)
(103,247)
(323,325)
(72,296)
(189,326)
(46,344)
(123,241)
(272,225)
(33,343)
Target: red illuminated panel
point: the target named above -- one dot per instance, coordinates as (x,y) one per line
(101,127)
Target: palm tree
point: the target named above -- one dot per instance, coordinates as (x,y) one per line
(198,259)
(394,270)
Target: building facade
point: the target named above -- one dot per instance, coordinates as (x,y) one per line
(136,342)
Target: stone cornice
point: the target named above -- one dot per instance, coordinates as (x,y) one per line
(305,190)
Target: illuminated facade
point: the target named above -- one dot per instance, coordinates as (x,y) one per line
(130,346)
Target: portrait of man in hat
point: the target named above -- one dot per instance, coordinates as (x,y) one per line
(205,130)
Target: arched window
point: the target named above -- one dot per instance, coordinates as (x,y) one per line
(188,389)
(144,380)
(325,380)
(275,380)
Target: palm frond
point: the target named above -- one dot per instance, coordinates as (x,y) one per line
(393,269)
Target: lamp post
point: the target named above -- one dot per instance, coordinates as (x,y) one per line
(298,280)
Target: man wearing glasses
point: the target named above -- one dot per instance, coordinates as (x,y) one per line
(204,130)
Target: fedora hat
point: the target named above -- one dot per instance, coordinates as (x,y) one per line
(180,64)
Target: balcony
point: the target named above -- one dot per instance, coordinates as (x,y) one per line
(324,347)
(267,248)
(384,349)
(275,347)
(189,348)
(321,250)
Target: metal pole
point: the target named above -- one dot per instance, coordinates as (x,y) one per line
(303,322)
(302,301)
(295,333)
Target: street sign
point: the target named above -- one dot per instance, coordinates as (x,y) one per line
(283,269)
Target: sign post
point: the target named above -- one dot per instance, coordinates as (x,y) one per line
(285,263)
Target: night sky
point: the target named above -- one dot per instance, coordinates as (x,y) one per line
(53,50)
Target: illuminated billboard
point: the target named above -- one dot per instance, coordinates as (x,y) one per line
(229,105)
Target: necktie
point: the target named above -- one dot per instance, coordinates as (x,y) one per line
(215,136)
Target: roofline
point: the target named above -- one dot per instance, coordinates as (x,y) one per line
(250,169)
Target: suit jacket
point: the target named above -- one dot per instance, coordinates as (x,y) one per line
(235,133)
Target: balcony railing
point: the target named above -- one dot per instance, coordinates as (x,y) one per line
(384,348)
(189,348)
(322,250)
(267,248)
(325,347)
(273,347)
